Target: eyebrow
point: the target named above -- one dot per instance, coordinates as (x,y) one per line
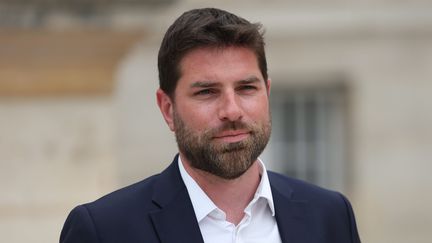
(203,84)
(249,80)
(209,84)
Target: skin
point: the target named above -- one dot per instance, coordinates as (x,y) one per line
(219,86)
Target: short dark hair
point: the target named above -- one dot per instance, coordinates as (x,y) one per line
(206,27)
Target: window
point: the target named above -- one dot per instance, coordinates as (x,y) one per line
(309,135)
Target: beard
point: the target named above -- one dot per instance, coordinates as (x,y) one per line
(225,160)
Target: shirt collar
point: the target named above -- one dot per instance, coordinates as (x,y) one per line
(264,189)
(203,205)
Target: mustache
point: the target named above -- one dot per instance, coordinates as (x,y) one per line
(231,126)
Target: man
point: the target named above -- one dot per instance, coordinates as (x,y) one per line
(213,95)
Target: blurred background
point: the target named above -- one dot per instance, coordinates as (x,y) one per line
(351,105)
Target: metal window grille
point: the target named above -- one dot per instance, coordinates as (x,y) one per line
(309,135)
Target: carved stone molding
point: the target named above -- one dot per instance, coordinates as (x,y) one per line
(42,62)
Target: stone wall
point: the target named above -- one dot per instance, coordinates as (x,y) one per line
(56,152)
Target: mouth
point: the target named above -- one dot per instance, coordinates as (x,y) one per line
(232,136)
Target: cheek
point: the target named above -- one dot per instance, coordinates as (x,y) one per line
(197,118)
(257,109)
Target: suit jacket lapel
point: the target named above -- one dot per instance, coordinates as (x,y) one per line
(291,219)
(291,215)
(175,221)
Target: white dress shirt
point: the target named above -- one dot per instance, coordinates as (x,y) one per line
(257,226)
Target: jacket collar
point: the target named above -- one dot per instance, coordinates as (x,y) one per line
(292,214)
(175,219)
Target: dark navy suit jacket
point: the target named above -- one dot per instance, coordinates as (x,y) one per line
(158,210)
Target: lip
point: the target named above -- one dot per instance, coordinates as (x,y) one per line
(232,136)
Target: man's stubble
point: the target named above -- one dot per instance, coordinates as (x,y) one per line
(225,160)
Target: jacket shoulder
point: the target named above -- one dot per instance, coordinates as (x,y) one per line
(296,189)
(120,216)
(139,192)
(320,204)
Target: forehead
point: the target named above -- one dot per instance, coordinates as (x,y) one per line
(217,64)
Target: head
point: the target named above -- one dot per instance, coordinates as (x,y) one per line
(214,91)
(208,27)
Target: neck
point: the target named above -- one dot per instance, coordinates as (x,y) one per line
(232,196)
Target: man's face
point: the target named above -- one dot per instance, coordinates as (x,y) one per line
(220,111)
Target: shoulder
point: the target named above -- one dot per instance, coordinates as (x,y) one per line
(298,190)
(141,195)
(126,210)
(91,222)
(315,205)
(120,204)
(126,197)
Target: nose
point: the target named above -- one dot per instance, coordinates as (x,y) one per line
(229,108)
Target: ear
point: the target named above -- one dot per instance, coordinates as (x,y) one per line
(268,86)
(166,107)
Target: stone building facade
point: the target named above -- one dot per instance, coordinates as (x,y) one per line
(78,116)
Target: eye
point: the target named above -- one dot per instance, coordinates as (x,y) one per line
(204,92)
(247,88)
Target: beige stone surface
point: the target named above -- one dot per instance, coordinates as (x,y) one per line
(43,61)
(57,152)
(389,81)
